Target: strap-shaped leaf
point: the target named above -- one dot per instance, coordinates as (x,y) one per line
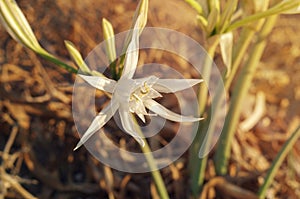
(196,5)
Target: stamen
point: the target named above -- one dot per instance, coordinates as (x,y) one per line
(145,89)
(137,97)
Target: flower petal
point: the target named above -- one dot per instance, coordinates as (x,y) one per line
(166,113)
(174,85)
(152,94)
(137,106)
(150,81)
(101,83)
(98,122)
(127,123)
(132,53)
(142,117)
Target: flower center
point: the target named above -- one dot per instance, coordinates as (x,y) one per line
(140,92)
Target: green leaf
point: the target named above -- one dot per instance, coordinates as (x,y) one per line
(287,147)
(275,10)
(202,22)
(214,4)
(226,16)
(212,21)
(196,5)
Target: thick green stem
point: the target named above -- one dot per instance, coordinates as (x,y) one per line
(240,90)
(159,183)
(287,147)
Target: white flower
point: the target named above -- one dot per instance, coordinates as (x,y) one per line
(134,95)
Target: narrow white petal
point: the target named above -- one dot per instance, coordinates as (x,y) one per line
(152,94)
(99,121)
(174,85)
(149,79)
(141,12)
(100,83)
(142,117)
(132,53)
(166,113)
(127,123)
(137,106)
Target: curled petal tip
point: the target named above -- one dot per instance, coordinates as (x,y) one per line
(141,142)
(78,146)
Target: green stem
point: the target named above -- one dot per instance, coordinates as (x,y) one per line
(56,61)
(287,147)
(239,93)
(239,53)
(203,91)
(198,165)
(159,183)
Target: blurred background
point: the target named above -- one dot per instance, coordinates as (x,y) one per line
(35,105)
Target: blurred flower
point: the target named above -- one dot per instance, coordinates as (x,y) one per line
(134,95)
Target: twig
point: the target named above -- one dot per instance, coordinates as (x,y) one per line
(11,139)
(228,188)
(109,180)
(16,185)
(256,115)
